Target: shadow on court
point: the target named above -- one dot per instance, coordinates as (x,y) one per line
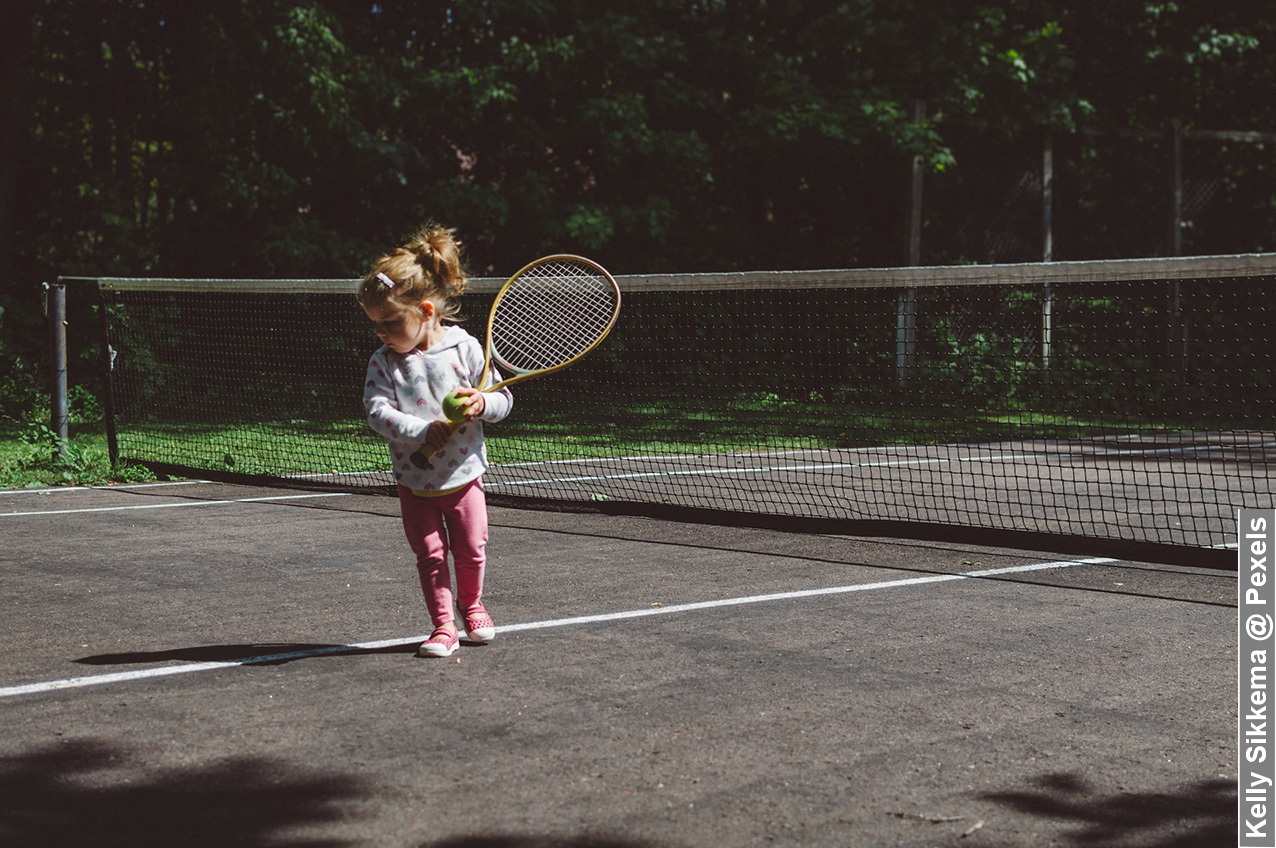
(658,685)
(1204,813)
(89,792)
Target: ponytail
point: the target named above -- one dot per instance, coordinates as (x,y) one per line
(427,267)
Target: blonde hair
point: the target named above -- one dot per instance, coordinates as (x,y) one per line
(426,268)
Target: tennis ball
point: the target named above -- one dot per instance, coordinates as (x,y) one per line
(452,408)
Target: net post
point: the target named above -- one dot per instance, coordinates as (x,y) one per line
(107,364)
(55,308)
(1047,328)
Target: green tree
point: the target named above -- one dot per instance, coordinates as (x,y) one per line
(298,137)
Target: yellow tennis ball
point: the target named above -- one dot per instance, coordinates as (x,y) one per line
(453,408)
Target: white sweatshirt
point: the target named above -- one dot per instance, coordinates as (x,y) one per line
(403,394)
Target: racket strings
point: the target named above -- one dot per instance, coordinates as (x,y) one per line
(550,315)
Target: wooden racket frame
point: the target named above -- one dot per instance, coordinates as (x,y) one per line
(520,374)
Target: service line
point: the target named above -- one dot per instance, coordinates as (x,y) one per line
(173,505)
(671,609)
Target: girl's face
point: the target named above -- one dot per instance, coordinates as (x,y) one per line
(405,330)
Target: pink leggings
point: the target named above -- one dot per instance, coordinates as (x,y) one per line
(433,525)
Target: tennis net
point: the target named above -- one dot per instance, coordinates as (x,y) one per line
(1065,405)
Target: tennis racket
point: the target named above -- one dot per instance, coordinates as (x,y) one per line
(547,316)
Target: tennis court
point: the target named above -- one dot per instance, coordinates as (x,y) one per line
(213,664)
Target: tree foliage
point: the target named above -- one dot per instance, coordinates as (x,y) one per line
(262,138)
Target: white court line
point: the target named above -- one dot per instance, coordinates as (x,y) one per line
(173,505)
(123,487)
(646,612)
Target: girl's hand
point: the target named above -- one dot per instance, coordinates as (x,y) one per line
(472,401)
(438,434)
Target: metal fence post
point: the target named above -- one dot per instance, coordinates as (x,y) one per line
(1175,325)
(1047,250)
(56,308)
(906,303)
(108,378)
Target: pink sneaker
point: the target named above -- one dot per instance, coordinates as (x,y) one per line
(479,626)
(442,643)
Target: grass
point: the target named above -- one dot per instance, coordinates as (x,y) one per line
(535,433)
(768,423)
(287,447)
(30,458)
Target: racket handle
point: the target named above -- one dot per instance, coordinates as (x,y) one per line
(455,418)
(429,451)
(452,424)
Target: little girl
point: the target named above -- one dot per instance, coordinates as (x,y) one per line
(409,294)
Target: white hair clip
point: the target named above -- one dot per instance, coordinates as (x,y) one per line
(389,283)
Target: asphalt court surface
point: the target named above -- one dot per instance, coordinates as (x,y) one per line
(206,664)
